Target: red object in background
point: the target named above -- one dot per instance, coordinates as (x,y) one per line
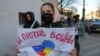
(41,53)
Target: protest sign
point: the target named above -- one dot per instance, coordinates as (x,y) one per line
(45,41)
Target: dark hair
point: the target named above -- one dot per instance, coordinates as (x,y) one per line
(50,5)
(76,17)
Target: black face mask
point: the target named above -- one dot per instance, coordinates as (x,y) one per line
(47,18)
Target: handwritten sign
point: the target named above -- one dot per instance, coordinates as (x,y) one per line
(45,41)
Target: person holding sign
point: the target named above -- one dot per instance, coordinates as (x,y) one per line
(47,18)
(30,21)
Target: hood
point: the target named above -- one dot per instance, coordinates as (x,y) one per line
(55,15)
(32,18)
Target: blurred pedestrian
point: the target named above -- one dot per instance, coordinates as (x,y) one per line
(77,24)
(69,20)
(30,21)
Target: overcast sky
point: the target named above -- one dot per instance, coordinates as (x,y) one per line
(90,5)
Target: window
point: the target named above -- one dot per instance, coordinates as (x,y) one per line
(21,18)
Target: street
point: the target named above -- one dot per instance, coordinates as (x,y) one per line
(90,44)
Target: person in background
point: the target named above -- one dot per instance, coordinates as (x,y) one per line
(47,17)
(30,21)
(63,21)
(69,20)
(76,23)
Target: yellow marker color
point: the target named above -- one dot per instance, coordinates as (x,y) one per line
(47,51)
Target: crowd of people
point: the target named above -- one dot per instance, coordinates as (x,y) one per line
(47,20)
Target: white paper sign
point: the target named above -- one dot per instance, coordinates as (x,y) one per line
(45,41)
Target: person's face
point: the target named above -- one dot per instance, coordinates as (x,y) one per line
(46,9)
(28,17)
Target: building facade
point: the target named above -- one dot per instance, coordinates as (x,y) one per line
(9,21)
